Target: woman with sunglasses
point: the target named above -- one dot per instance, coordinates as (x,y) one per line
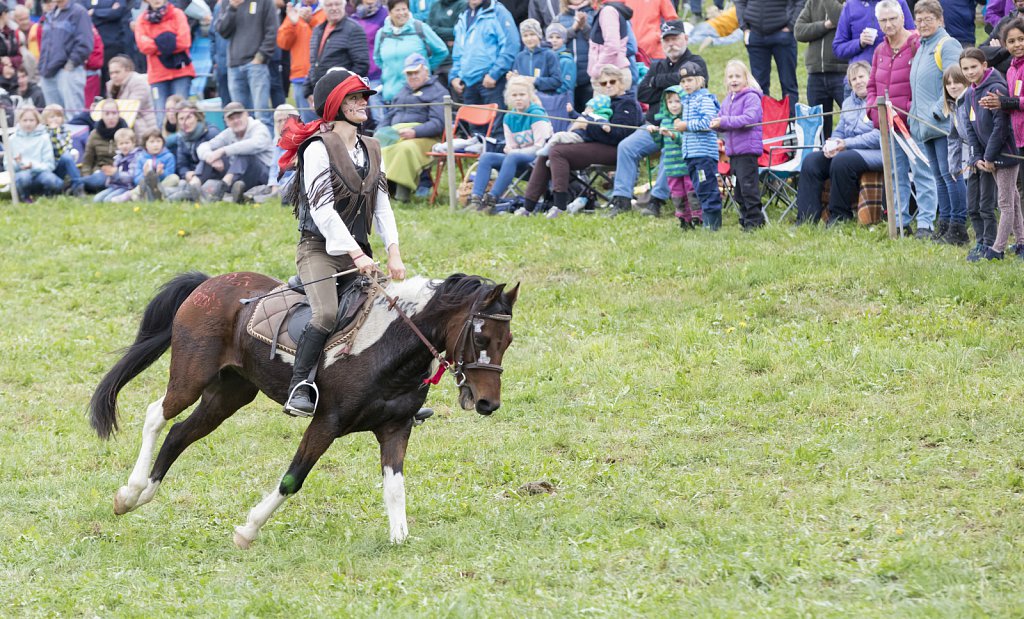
(598,147)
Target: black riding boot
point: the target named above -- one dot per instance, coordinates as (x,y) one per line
(300,397)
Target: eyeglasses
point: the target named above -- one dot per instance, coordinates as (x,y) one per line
(608,83)
(927,20)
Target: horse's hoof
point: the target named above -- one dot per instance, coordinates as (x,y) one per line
(121,506)
(241,541)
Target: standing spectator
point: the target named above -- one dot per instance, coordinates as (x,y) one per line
(371,15)
(640,144)
(163,35)
(1016,10)
(420,9)
(337,42)
(740,120)
(576,17)
(11,42)
(486,44)
(93,65)
(251,34)
(111,17)
(610,39)
(125,83)
(401,36)
(994,11)
(826,74)
(672,162)
(768,31)
(648,16)
(564,94)
(294,36)
(938,51)
(890,71)
(66,44)
(219,56)
(959,19)
(700,145)
(537,63)
(857,33)
(544,11)
(1013,33)
(444,14)
(518,9)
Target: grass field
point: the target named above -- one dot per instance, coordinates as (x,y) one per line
(785,423)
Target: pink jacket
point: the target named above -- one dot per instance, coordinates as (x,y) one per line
(611,49)
(892,72)
(1015,81)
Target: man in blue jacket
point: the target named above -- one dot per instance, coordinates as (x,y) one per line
(111,20)
(66,44)
(486,44)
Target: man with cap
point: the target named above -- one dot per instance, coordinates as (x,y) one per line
(238,158)
(418,124)
(339,192)
(663,73)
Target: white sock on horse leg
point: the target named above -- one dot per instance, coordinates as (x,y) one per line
(128,496)
(258,517)
(394,501)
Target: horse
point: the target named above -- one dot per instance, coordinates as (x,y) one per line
(378,387)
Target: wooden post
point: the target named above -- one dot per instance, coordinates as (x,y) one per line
(883,129)
(8,160)
(449,131)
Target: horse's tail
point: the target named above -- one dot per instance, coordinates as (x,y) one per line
(152,341)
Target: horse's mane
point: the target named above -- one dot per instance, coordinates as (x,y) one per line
(453,292)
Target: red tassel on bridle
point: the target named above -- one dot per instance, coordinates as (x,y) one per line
(295,132)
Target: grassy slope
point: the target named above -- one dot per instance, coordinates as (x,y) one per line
(784,423)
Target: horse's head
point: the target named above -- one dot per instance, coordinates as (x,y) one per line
(479,347)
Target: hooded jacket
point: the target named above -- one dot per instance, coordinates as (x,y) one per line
(738,110)
(67,37)
(35,148)
(345,47)
(856,16)
(430,117)
(699,141)
(672,159)
(186,157)
(988,131)
(663,74)
(856,129)
(543,65)
(146,32)
(609,38)
(768,16)
(165,157)
(892,71)
(926,84)
(391,48)
(578,41)
(810,28)
(486,43)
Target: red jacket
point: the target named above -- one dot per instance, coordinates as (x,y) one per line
(146,33)
(892,72)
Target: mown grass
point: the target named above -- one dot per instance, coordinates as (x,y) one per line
(786,423)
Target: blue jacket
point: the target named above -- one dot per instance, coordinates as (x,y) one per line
(186,158)
(578,42)
(68,38)
(699,108)
(926,84)
(34,147)
(540,63)
(111,23)
(165,157)
(430,117)
(420,9)
(486,43)
(988,131)
(567,68)
(859,133)
(390,49)
(959,18)
(855,18)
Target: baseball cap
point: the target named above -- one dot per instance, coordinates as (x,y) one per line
(673,28)
(413,62)
(690,69)
(233,108)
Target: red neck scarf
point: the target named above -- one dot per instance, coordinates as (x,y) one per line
(295,132)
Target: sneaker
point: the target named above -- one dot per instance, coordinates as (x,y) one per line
(923,234)
(473,204)
(522,211)
(553,212)
(212,191)
(991,254)
(619,205)
(487,203)
(238,192)
(1019,251)
(653,209)
(576,205)
(77,191)
(423,191)
(975,254)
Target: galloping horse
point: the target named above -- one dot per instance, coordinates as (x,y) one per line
(378,387)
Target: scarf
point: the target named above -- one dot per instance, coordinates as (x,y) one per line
(195,134)
(107,133)
(155,16)
(294,132)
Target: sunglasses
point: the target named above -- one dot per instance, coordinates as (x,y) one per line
(608,83)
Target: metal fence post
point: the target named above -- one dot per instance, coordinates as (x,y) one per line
(449,131)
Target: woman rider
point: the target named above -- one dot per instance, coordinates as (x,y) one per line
(341,191)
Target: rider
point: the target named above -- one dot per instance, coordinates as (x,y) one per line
(341,190)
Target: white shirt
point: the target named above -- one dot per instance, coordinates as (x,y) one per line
(339,239)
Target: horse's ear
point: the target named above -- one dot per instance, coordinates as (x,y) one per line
(512,295)
(493,295)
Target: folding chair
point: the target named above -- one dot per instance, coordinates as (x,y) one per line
(776,177)
(590,181)
(475,115)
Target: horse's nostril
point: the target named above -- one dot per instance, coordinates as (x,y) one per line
(486,407)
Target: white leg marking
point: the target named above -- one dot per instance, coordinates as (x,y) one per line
(394,501)
(258,516)
(127,497)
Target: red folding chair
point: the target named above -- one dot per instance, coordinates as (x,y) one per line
(467,115)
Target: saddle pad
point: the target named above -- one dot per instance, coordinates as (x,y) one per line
(269,318)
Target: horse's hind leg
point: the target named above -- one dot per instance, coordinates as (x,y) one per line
(127,497)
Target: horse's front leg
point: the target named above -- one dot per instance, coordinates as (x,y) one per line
(318,437)
(394,439)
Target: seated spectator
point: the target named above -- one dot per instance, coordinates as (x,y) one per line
(293,36)
(371,16)
(192,131)
(722,29)
(599,149)
(401,36)
(163,35)
(274,186)
(154,168)
(536,63)
(100,148)
(170,123)
(524,135)
(32,157)
(28,89)
(64,153)
(238,158)
(420,127)
(854,148)
(120,183)
(126,84)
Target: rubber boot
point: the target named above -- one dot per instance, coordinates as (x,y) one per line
(300,396)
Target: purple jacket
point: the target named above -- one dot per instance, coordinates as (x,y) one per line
(740,109)
(996,10)
(853,20)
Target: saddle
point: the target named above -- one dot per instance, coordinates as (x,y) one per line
(279,319)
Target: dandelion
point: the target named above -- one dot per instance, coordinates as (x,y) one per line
(137,209)
(182,233)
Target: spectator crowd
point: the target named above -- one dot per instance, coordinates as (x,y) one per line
(112,98)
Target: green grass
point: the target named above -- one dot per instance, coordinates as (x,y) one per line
(785,423)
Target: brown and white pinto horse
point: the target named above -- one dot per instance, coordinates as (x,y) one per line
(378,388)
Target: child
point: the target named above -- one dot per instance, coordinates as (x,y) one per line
(556,34)
(599,109)
(31,157)
(120,182)
(1013,37)
(63,152)
(959,155)
(743,145)
(28,89)
(170,125)
(536,63)
(669,139)
(153,168)
(991,141)
(699,142)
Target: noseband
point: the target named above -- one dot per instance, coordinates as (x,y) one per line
(466,348)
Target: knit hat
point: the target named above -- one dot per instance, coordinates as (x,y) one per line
(557,28)
(601,105)
(531,25)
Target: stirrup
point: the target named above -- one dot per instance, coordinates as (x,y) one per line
(294,412)
(422,415)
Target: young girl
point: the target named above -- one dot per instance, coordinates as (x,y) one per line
(699,142)
(524,135)
(742,107)
(1013,36)
(991,141)
(120,183)
(959,155)
(31,157)
(665,135)
(153,168)
(64,152)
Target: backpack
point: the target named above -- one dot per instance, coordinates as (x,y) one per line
(417,27)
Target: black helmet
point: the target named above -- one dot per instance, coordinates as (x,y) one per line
(326,84)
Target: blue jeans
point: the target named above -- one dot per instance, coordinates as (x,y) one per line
(95,182)
(826,88)
(162,90)
(306,114)
(705,32)
(782,47)
(704,175)
(698,10)
(39,182)
(66,168)
(952,195)
(250,86)
(507,164)
(67,88)
(630,152)
(924,185)
(108,194)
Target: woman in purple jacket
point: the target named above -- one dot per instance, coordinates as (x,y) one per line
(740,110)
(858,32)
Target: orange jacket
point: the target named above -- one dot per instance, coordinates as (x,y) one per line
(145,34)
(295,39)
